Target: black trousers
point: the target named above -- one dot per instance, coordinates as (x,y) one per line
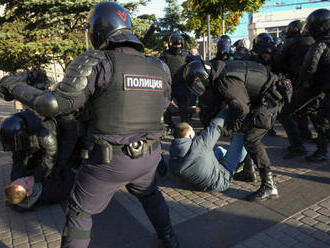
(322,128)
(290,126)
(96,184)
(256,149)
(322,117)
(259,122)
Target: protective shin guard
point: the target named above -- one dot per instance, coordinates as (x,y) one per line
(156,209)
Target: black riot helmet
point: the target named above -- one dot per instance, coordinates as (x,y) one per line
(13,134)
(109,21)
(241,46)
(318,23)
(294,29)
(263,43)
(223,44)
(261,39)
(175,39)
(196,74)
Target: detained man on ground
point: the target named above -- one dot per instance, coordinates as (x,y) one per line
(27,193)
(198,162)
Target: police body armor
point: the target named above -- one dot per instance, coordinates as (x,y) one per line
(176,63)
(132,102)
(254,75)
(292,54)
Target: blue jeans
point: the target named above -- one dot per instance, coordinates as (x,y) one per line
(234,155)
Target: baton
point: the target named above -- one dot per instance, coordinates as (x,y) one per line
(309,102)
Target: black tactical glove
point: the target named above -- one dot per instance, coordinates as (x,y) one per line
(10,82)
(5,94)
(284,87)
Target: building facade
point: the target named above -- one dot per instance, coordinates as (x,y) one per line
(274,16)
(275,22)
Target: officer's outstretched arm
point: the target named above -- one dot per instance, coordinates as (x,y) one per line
(71,94)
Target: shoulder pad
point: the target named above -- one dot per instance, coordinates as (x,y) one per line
(75,79)
(46,104)
(313,56)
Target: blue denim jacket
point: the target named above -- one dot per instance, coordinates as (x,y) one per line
(194,162)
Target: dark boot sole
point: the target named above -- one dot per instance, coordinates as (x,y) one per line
(264,199)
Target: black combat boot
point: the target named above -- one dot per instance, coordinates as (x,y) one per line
(157,211)
(317,156)
(320,155)
(248,173)
(267,189)
(168,238)
(295,151)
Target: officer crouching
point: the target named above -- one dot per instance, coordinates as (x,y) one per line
(254,97)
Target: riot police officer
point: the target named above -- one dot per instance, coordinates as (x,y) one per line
(33,143)
(254,97)
(206,102)
(315,76)
(290,60)
(223,49)
(124,136)
(176,57)
(264,51)
(241,48)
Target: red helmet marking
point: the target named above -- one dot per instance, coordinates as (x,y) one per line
(122,15)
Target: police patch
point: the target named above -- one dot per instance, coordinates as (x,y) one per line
(143,83)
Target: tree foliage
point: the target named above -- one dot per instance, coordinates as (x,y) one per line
(36,32)
(229,11)
(173,21)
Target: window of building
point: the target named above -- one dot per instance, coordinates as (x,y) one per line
(276,31)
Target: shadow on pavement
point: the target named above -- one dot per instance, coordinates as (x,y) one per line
(325,180)
(2,245)
(225,227)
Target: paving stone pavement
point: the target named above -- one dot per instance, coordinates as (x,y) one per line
(185,204)
(307,228)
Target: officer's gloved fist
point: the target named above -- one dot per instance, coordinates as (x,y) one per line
(5,94)
(285,88)
(10,82)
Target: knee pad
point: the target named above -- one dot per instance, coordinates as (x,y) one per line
(72,210)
